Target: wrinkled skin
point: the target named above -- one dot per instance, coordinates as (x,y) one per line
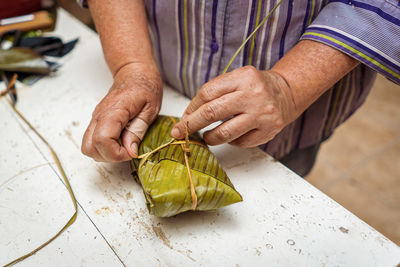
(136,92)
(257,106)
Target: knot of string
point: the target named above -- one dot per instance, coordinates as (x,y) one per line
(186,152)
(144,157)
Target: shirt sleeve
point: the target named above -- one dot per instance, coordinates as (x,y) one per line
(367,30)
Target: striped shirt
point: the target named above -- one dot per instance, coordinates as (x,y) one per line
(193,41)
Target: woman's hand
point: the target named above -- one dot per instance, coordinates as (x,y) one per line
(256,105)
(136,93)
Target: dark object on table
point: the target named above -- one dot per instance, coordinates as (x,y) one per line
(48,46)
(20,59)
(25,56)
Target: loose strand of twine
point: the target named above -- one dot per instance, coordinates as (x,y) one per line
(185,144)
(60,168)
(251,35)
(10,85)
(144,157)
(186,153)
(192,188)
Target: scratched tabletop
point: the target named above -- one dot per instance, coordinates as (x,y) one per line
(283,220)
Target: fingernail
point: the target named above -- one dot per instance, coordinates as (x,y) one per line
(175,132)
(134,148)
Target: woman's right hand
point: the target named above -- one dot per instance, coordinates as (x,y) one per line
(136,93)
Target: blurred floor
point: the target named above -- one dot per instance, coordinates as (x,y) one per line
(359,166)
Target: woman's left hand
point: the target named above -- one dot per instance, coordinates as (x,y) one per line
(256,105)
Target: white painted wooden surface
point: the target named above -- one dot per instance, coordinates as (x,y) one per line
(282,221)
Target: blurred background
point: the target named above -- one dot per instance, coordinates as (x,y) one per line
(359,166)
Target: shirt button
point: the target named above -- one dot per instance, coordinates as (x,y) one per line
(214,46)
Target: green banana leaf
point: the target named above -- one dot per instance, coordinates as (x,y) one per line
(19,59)
(165,179)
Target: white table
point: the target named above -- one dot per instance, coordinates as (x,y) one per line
(282,221)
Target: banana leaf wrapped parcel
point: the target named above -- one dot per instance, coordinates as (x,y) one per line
(175,180)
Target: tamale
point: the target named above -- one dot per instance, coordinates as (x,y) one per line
(164,175)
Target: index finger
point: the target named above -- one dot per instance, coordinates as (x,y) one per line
(213,111)
(211,90)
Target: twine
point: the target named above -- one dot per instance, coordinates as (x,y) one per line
(60,168)
(186,152)
(144,157)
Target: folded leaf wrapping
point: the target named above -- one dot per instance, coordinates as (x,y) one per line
(165,179)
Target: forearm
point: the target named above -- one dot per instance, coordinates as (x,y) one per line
(310,68)
(122,27)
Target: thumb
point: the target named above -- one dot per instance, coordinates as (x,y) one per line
(133,135)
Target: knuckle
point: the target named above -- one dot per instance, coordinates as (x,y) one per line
(258,91)
(223,133)
(222,101)
(151,113)
(251,73)
(190,109)
(249,69)
(98,138)
(241,94)
(207,93)
(279,123)
(209,112)
(270,109)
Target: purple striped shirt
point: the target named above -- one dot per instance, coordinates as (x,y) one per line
(194,40)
